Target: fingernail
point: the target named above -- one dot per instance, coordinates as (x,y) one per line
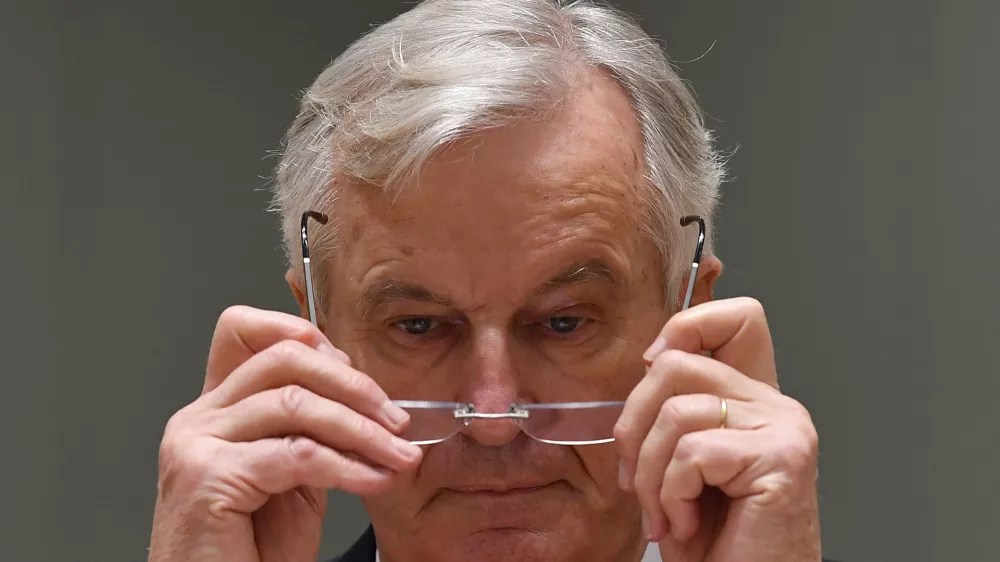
(623,476)
(408,450)
(396,415)
(645,526)
(657,348)
(328,349)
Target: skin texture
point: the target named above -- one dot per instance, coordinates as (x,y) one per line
(447,293)
(491,221)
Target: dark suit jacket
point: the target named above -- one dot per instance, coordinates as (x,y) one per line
(364,550)
(361,551)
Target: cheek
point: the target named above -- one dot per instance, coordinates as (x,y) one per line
(396,508)
(411,380)
(601,464)
(400,372)
(612,370)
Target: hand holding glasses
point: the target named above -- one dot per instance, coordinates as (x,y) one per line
(557,423)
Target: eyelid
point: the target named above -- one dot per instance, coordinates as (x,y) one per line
(445,317)
(440,326)
(576,309)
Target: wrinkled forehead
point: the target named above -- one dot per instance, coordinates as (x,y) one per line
(581,166)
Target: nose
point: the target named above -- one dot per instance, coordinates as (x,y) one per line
(491,387)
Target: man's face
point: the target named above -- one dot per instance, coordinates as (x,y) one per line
(468,288)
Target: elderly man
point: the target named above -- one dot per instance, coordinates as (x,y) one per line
(501,362)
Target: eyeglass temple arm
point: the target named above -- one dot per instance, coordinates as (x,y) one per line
(306,269)
(696,262)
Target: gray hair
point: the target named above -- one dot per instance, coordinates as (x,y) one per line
(450,68)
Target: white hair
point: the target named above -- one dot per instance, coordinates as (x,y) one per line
(449,68)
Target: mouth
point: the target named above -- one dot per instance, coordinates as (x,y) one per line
(501,491)
(497,506)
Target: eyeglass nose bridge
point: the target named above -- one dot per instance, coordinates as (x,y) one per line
(468,413)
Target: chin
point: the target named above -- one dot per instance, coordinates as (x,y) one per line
(508,544)
(509,529)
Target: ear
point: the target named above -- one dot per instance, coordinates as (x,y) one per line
(295,281)
(709,269)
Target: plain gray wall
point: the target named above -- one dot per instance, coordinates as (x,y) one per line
(862,211)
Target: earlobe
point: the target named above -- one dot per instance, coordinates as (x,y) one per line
(709,270)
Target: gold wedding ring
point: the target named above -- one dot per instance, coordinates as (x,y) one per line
(725,413)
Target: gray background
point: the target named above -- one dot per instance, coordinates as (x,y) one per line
(862,212)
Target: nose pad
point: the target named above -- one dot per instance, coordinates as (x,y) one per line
(492,432)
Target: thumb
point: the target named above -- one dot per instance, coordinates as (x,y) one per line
(289,526)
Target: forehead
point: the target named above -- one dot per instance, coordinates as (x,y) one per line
(574,176)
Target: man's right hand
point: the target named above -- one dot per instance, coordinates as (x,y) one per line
(244,469)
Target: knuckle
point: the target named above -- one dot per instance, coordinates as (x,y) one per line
(300,450)
(174,439)
(668,493)
(623,434)
(672,412)
(670,362)
(175,424)
(665,495)
(187,466)
(363,429)
(753,307)
(291,400)
(686,450)
(679,323)
(646,483)
(169,450)
(360,385)
(802,419)
(810,443)
(302,331)
(797,409)
(287,352)
(232,316)
(627,434)
(799,452)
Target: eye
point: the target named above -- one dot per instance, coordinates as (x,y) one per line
(564,324)
(417,326)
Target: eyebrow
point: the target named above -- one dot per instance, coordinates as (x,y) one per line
(389,291)
(592,270)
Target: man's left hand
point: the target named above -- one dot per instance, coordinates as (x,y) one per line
(720,481)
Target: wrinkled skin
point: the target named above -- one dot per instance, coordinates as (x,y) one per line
(457,291)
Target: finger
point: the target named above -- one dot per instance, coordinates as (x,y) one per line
(678,416)
(293,363)
(714,457)
(294,410)
(274,466)
(243,331)
(675,373)
(734,330)
(710,504)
